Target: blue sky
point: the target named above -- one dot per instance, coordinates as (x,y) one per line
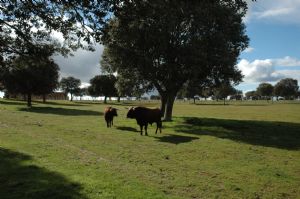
(274,51)
(273,27)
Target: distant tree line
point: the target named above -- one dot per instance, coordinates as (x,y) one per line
(216,92)
(287,88)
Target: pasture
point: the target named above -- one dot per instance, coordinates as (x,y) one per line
(64,150)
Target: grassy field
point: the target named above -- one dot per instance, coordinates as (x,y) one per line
(64,150)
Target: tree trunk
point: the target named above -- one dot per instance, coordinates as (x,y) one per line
(163,102)
(71,96)
(194,100)
(29,100)
(44,98)
(119,98)
(6,95)
(224,101)
(105,97)
(169,108)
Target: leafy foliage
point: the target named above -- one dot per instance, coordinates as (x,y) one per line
(127,83)
(27,75)
(169,43)
(70,85)
(286,88)
(265,90)
(103,85)
(24,24)
(251,95)
(223,91)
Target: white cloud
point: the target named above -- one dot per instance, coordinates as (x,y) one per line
(295,74)
(259,71)
(264,70)
(249,50)
(287,61)
(274,12)
(282,11)
(83,65)
(84,85)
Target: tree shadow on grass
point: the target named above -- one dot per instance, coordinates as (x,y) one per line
(60,111)
(84,103)
(211,104)
(176,139)
(126,128)
(57,103)
(251,104)
(12,102)
(23,181)
(19,102)
(270,134)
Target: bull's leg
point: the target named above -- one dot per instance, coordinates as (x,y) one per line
(156,128)
(112,122)
(159,125)
(146,129)
(141,129)
(107,124)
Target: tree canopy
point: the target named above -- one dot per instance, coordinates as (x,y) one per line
(127,83)
(265,90)
(103,85)
(23,24)
(70,85)
(287,87)
(251,95)
(223,91)
(168,43)
(31,75)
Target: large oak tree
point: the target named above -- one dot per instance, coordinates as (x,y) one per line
(168,43)
(103,85)
(36,74)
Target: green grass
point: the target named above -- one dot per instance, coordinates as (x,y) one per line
(64,150)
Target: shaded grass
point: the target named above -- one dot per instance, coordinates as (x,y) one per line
(206,152)
(176,139)
(61,111)
(20,180)
(270,134)
(126,128)
(12,102)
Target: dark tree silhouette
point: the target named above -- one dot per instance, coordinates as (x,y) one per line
(223,91)
(265,90)
(70,85)
(168,43)
(103,85)
(35,74)
(287,88)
